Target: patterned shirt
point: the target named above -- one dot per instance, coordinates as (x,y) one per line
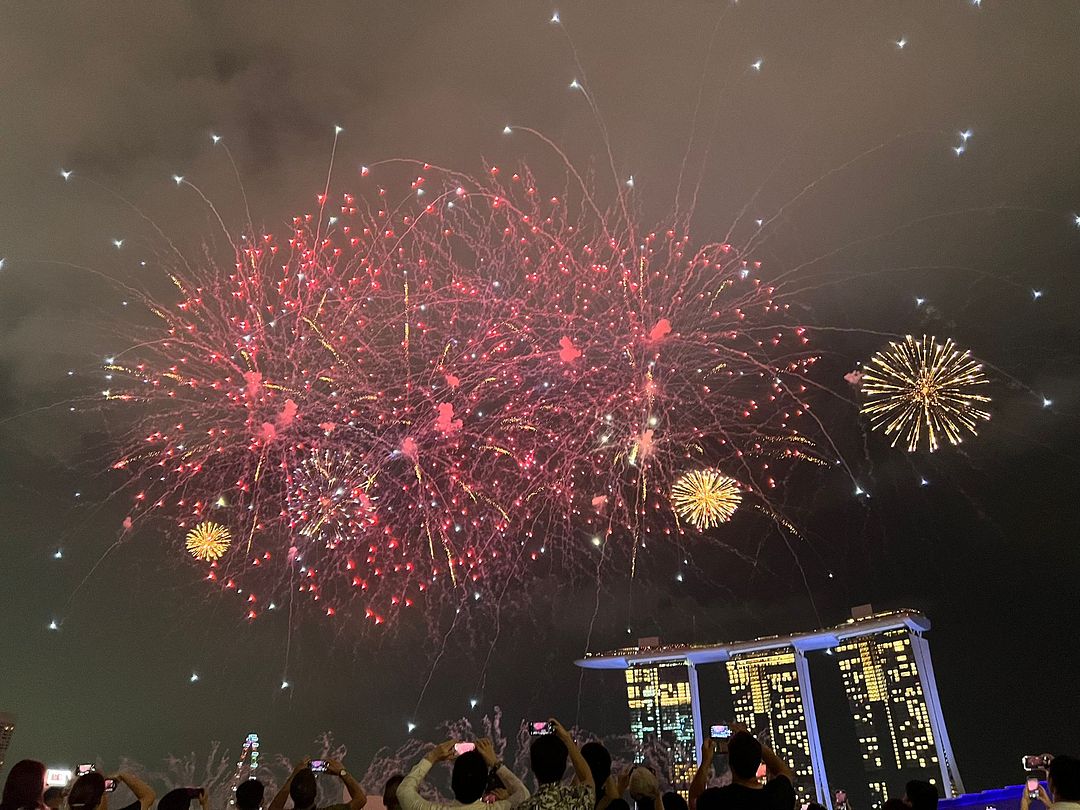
(561,797)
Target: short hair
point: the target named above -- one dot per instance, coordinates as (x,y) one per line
(53,792)
(249,794)
(744,754)
(922,795)
(389,793)
(599,761)
(87,791)
(175,799)
(303,789)
(547,755)
(711,799)
(673,801)
(1064,773)
(469,777)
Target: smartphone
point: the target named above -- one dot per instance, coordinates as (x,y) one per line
(720,732)
(1034,762)
(110,785)
(541,727)
(84,769)
(1033,787)
(319,765)
(464,748)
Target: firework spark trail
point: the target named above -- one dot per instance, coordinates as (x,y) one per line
(544,378)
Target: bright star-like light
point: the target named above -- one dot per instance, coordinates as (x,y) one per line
(859,490)
(338,129)
(178,179)
(53,625)
(1036,294)
(596,541)
(965,134)
(900,43)
(1076,220)
(118,243)
(472,703)
(575,85)
(284,684)
(194,677)
(555,17)
(507,130)
(959,150)
(411,727)
(1047,402)
(58,554)
(215,138)
(630,181)
(757,65)
(919,301)
(923,482)
(66,173)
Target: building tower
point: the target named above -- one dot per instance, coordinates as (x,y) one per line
(7,729)
(662,708)
(893,699)
(768,697)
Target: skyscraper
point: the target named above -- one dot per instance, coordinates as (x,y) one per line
(893,699)
(765,688)
(661,708)
(889,680)
(7,728)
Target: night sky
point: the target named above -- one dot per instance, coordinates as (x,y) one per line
(128,93)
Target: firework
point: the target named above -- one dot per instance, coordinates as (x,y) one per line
(208,541)
(705,498)
(424,395)
(921,389)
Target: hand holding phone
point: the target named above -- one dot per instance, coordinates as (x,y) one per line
(1033,787)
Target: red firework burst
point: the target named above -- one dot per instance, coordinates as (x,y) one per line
(417,397)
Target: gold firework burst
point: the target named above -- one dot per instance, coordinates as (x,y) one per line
(923,388)
(208,541)
(705,498)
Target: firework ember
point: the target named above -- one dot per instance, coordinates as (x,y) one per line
(923,389)
(422,396)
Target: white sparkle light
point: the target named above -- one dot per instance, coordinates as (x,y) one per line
(900,43)
(507,130)
(555,18)
(1047,402)
(194,677)
(178,179)
(1036,294)
(66,173)
(757,65)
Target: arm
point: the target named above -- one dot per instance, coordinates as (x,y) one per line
(407,793)
(581,767)
(517,790)
(143,792)
(356,793)
(701,778)
(278,802)
(611,792)
(776,766)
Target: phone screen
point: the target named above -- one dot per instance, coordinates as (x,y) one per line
(720,732)
(318,765)
(464,748)
(110,785)
(1033,787)
(541,727)
(84,769)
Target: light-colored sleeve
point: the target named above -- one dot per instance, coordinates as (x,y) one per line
(407,791)
(518,791)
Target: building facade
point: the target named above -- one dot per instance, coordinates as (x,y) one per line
(895,713)
(662,710)
(768,698)
(7,729)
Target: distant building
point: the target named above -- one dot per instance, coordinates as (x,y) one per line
(659,699)
(890,688)
(885,665)
(765,688)
(7,729)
